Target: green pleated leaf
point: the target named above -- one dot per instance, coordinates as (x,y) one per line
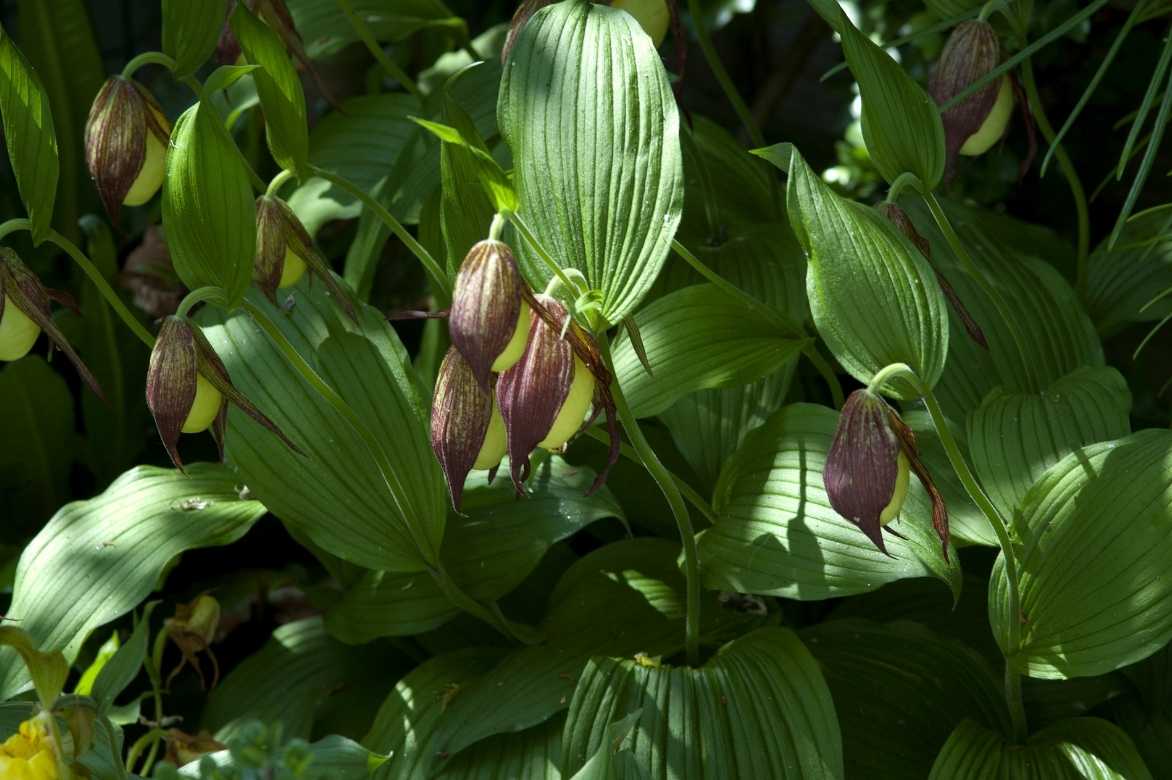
(600,181)
(901,124)
(291,678)
(489,550)
(1092,560)
(327,31)
(125,664)
(407,721)
(209,213)
(191,29)
(776,533)
(335,757)
(624,598)
(759,708)
(874,298)
(333,492)
(29,135)
(1075,749)
(1057,335)
(1121,281)
(1013,438)
(279,88)
(698,338)
(36,416)
(97,559)
(765,260)
(727,188)
(899,691)
(362,143)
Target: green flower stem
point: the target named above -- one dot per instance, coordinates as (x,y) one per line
(430,556)
(664,478)
(438,277)
(722,77)
(1068,170)
(148,58)
(823,368)
(970,267)
(91,270)
(521,227)
(367,38)
(209,294)
(751,303)
(498,225)
(627,451)
(1000,527)
(278,181)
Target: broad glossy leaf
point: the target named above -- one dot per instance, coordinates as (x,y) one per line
(1075,749)
(1093,560)
(333,492)
(1121,281)
(335,757)
(698,338)
(874,298)
(759,708)
(901,124)
(362,143)
(776,533)
(533,754)
(1013,438)
(36,416)
(1057,335)
(624,598)
(326,30)
(588,111)
(279,87)
(766,261)
(291,677)
(489,550)
(899,691)
(209,213)
(29,135)
(97,559)
(191,29)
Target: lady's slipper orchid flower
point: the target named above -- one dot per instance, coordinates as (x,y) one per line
(126,139)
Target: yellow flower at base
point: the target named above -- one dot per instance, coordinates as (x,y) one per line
(28,754)
(18,333)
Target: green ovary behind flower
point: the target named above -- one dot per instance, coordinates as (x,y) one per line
(891,511)
(653,15)
(516,346)
(495,441)
(204,408)
(150,176)
(573,410)
(18,333)
(993,127)
(292,271)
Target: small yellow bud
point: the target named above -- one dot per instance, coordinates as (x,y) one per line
(18,332)
(993,127)
(292,270)
(204,408)
(150,176)
(574,408)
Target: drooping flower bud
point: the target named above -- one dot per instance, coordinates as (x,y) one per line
(126,139)
(25,311)
(545,397)
(654,16)
(976,123)
(489,319)
(866,470)
(149,275)
(183,748)
(284,251)
(467,431)
(188,388)
(193,629)
(898,217)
